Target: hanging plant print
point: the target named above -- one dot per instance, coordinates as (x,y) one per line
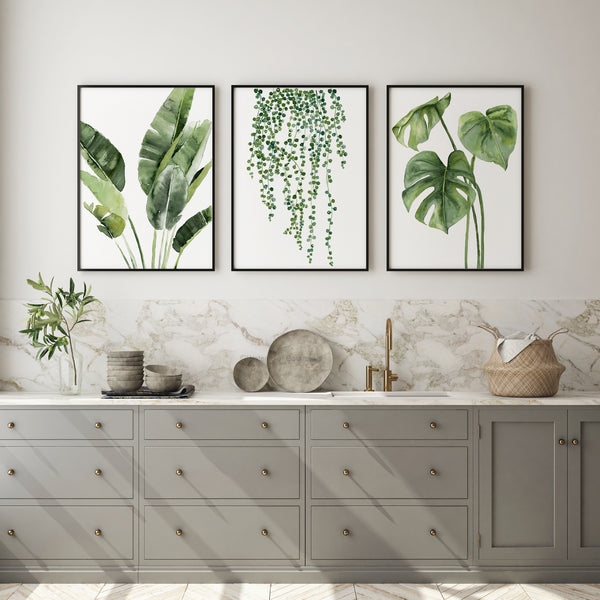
(158,140)
(457,176)
(299,167)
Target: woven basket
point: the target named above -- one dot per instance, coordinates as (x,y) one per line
(533,373)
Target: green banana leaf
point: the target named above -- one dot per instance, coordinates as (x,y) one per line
(452,195)
(111,225)
(167,198)
(163,136)
(104,159)
(198,179)
(106,193)
(420,121)
(490,137)
(189,156)
(191,228)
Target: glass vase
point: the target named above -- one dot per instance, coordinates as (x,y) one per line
(70,372)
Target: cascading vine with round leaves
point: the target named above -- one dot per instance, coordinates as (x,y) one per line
(296,136)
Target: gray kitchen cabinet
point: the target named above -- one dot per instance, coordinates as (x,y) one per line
(584,485)
(522,484)
(294,493)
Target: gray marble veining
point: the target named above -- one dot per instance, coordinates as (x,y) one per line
(437,344)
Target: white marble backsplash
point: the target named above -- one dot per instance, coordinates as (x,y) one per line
(437,345)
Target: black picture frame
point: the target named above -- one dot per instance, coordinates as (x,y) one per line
(210,87)
(233,163)
(389,141)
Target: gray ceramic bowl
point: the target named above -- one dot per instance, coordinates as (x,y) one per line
(125,354)
(111,377)
(118,385)
(164,384)
(125,370)
(161,370)
(124,361)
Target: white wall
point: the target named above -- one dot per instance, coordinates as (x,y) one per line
(50,46)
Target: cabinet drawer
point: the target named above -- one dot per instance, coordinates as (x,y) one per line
(389,472)
(222,532)
(389,532)
(66,532)
(222,472)
(211,424)
(66,472)
(64,424)
(388,424)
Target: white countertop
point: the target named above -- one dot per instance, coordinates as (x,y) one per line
(309,399)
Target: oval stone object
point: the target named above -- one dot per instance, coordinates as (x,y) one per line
(299,360)
(250,374)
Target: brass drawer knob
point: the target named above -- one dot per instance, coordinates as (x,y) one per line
(264,425)
(98,425)
(98,472)
(433,425)
(11,532)
(575,441)
(179,472)
(432,532)
(346,425)
(346,472)
(346,532)
(264,472)
(179,425)
(179,532)
(11,471)
(98,532)
(433,472)
(264,532)
(11,425)
(561,442)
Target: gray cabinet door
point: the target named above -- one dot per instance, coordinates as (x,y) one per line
(388,424)
(215,533)
(389,472)
(66,472)
(65,424)
(523,484)
(222,472)
(584,485)
(388,533)
(221,424)
(46,533)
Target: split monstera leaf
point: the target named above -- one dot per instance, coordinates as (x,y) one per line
(170,170)
(446,192)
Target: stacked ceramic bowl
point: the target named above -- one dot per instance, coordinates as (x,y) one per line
(125,370)
(160,378)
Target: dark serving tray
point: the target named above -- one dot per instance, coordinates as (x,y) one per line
(185,391)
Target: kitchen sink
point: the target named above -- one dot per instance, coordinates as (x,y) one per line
(409,394)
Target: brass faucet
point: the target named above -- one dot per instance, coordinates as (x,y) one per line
(388,376)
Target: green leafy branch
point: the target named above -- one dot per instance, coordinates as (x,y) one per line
(296,136)
(170,171)
(447,192)
(50,323)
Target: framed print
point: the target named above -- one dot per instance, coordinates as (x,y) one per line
(145,178)
(455,177)
(299,178)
